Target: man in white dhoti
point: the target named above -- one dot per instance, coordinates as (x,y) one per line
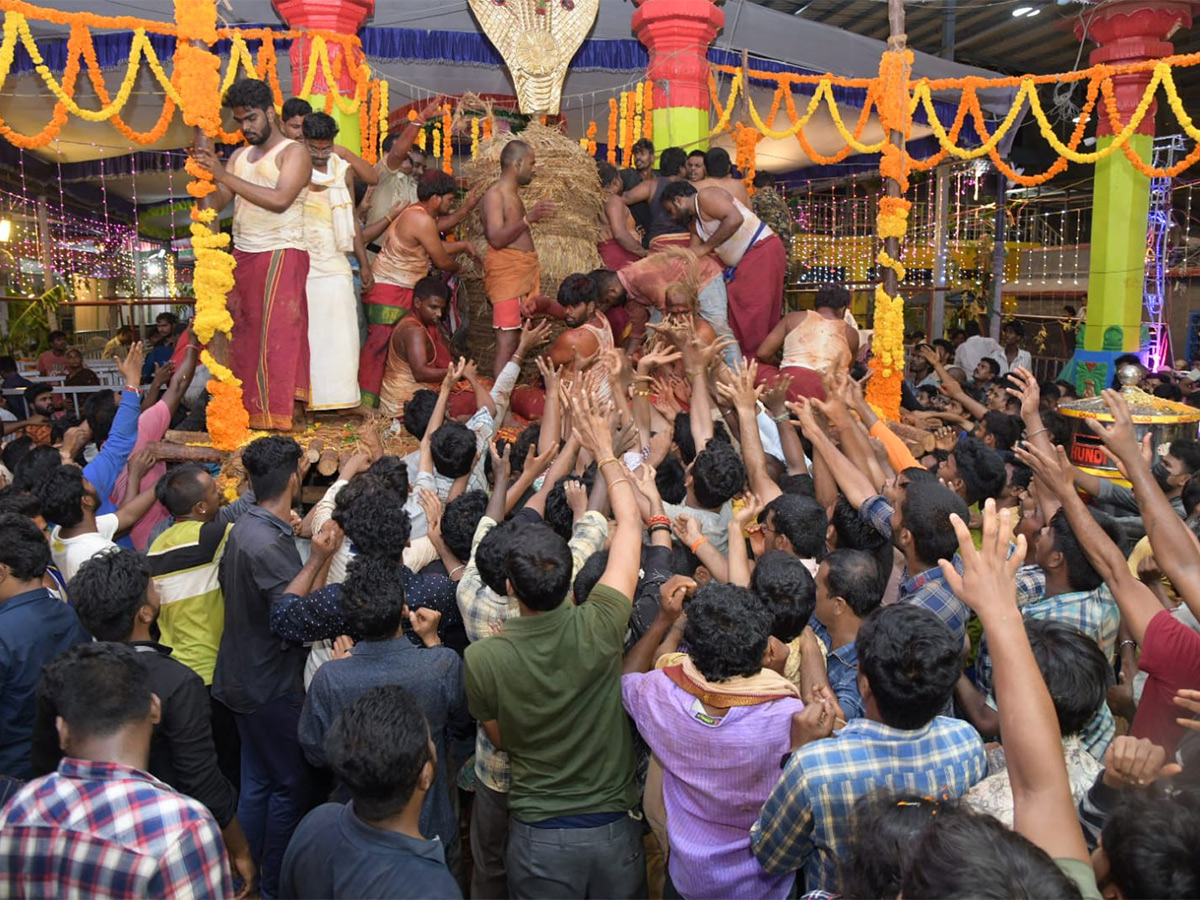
(331,231)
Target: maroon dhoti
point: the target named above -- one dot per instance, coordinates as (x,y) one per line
(268,350)
(614,256)
(756,293)
(384,306)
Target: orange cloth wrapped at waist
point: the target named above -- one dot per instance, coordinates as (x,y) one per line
(511,274)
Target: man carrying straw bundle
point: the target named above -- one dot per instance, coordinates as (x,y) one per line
(511,274)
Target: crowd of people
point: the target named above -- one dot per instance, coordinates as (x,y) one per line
(703,625)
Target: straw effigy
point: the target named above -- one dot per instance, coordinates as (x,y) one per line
(565,242)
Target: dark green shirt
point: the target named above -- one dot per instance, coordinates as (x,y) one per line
(553,682)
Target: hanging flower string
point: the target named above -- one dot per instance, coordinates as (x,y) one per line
(198,77)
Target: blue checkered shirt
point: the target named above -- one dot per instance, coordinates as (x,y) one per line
(1093,612)
(928,588)
(806,820)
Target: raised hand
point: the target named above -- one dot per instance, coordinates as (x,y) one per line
(1054,469)
(533,334)
(1120,437)
(425,622)
(326,541)
(342,645)
(671,597)
(501,464)
(590,422)
(643,479)
(577,497)
(1136,762)
(686,529)
(654,359)
(775,397)
(988,581)
(741,391)
(551,374)
(802,409)
(431,503)
(1028,393)
(751,508)
(131,366)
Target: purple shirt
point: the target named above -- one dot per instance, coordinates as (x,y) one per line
(713,767)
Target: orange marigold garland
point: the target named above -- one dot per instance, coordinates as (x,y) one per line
(612,131)
(647,109)
(746,141)
(197,78)
(591,139)
(891,221)
(447,143)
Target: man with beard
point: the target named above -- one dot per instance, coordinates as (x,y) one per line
(411,241)
(511,274)
(418,355)
(267,180)
(585,341)
(751,252)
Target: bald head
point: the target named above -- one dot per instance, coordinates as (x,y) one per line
(513,153)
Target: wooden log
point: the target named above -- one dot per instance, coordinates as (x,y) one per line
(172,452)
(315,446)
(327,464)
(171,436)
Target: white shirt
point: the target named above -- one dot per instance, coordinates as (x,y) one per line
(71,553)
(1023,360)
(972,350)
(6,416)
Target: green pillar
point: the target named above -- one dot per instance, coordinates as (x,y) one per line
(1116,271)
(680,126)
(349,129)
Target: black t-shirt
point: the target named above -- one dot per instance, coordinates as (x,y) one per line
(631,178)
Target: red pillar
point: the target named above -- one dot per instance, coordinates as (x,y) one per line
(342,16)
(1129,31)
(677,34)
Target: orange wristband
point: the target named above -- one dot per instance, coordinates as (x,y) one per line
(702,539)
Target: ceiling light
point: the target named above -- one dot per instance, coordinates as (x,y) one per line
(1022,11)
(5,230)
(1034,12)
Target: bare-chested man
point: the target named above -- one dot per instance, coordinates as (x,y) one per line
(267,180)
(719,173)
(661,232)
(582,345)
(511,275)
(619,243)
(412,241)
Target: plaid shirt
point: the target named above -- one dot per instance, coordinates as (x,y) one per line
(1093,612)
(928,588)
(483,612)
(806,820)
(105,830)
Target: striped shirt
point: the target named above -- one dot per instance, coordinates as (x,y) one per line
(806,820)
(185,562)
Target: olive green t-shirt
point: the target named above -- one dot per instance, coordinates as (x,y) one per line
(553,682)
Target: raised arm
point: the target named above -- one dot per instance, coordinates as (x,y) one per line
(363,171)
(854,483)
(1173,543)
(593,429)
(1043,807)
(1135,601)
(742,393)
